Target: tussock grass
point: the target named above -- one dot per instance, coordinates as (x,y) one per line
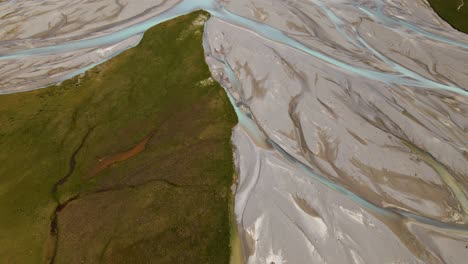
(165,204)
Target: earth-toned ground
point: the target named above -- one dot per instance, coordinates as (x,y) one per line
(130,162)
(351,145)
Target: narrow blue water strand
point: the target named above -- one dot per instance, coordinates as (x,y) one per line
(266,31)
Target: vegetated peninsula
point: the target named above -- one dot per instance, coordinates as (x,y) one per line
(455,12)
(130,162)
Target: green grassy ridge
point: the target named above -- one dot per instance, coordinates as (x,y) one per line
(128,213)
(447,10)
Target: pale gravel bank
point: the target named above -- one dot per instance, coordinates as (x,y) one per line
(352,143)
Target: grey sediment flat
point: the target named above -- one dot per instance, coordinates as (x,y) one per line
(352,145)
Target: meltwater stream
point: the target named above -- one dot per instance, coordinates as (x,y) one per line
(352,138)
(401,75)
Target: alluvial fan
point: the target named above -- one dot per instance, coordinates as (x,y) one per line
(352,142)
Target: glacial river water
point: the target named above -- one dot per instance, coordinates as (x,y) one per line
(352,138)
(403,76)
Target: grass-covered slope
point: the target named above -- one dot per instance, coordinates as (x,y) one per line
(130,163)
(455,12)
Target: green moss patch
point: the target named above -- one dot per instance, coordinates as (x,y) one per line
(165,204)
